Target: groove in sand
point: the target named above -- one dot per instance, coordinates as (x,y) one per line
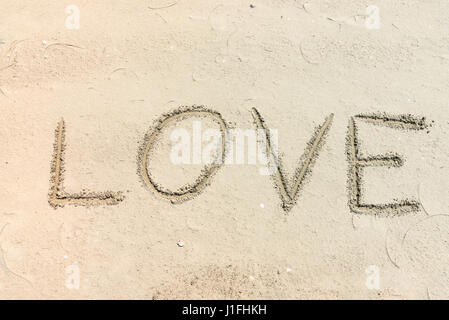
(404,122)
(289,196)
(57,196)
(188,191)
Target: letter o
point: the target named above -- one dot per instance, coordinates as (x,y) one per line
(194,189)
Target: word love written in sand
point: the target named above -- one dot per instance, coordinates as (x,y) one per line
(58,197)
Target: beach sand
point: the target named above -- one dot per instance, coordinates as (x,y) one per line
(81,98)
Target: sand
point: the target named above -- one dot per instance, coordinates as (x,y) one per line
(92,207)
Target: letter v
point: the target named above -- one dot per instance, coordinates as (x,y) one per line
(288,197)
